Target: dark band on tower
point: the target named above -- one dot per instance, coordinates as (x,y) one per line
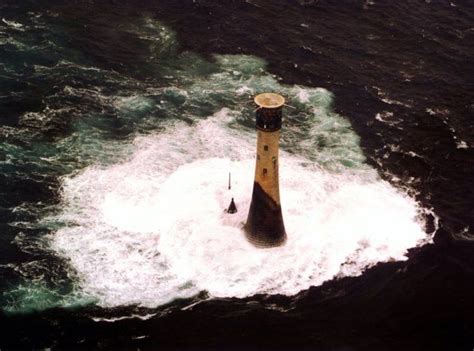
(264,226)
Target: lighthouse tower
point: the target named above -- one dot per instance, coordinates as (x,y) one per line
(264,226)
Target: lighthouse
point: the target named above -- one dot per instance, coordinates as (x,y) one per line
(264,226)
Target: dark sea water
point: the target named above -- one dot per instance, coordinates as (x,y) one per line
(120,121)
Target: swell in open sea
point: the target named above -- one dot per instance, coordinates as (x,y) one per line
(121,120)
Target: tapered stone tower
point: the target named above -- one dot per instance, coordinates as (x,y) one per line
(264,226)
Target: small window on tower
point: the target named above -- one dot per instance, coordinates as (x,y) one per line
(258,157)
(264,171)
(265,147)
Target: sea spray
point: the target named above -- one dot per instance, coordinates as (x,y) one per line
(142,167)
(153,228)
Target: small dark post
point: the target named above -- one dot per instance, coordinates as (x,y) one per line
(232,208)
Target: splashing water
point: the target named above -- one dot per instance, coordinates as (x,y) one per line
(153,228)
(143,222)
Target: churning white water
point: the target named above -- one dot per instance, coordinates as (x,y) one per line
(153,228)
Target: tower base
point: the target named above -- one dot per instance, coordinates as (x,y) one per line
(264,226)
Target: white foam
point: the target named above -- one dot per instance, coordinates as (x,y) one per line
(244,90)
(303,95)
(116,319)
(153,228)
(13,24)
(385,98)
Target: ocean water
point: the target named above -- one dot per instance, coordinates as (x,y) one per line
(121,124)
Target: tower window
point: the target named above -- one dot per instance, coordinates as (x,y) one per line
(264,171)
(258,157)
(265,147)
